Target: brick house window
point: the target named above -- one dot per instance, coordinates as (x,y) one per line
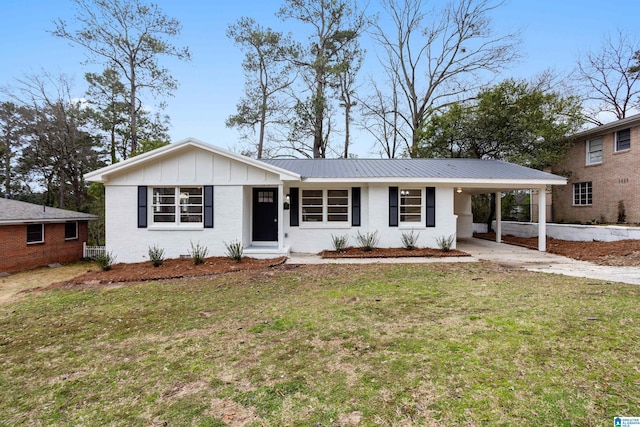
(35,233)
(411,205)
(594,151)
(324,206)
(71,230)
(177,205)
(623,140)
(582,194)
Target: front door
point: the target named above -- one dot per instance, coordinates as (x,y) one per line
(265,214)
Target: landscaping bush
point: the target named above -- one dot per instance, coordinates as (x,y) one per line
(409,240)
(105,260)
(339,242)
(234,250)
(445,243)
(368,241)
(156,255)
(198,253)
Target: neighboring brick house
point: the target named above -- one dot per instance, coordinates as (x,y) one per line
(34,235)
(603,170)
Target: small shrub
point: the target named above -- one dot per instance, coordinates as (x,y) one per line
(234,250)
(446,243)
(198,253)
(105,260)
(339,242)
(368,241)
(156,255)
(409,240)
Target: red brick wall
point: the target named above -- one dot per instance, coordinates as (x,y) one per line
(613,180)
(16,255)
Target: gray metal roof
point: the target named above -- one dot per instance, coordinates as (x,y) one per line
(410,168)
(16,212)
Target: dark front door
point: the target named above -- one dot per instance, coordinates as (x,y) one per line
(265,214)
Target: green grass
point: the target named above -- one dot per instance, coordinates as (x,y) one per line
(458,344)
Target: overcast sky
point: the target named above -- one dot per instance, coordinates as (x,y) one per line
(554,32)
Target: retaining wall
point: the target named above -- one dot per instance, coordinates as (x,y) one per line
(576,232)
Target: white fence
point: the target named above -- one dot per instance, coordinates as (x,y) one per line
(92,251)
(576,232)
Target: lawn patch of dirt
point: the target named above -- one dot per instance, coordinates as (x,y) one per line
(352,252)
(170,269)
(621,253)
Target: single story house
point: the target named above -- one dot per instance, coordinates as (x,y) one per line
(35,235)
(192,192)
(603,170)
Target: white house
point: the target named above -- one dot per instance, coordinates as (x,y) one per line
(192,192)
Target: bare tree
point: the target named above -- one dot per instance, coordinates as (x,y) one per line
(381,119)
(346,85)
(335,26)
(267,74)
(130,35)
(608,78)
(440,58)
(13,136)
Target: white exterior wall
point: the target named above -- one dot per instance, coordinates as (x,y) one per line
(462,208)
(232,188)
(374,201)
(575,232)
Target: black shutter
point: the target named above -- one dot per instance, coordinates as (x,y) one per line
(393,206)
(431,206)
(208,206)
(294,221)
(142,206)
(355,206)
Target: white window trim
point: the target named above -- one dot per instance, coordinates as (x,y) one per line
(588,151)
(176,225)
(65,230)
(573,194)
(615,141)
(325,223)
(423,209)
(35,243)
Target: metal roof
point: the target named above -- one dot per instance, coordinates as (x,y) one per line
(17,212)
(411,168)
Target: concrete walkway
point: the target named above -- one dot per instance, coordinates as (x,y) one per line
(509,256)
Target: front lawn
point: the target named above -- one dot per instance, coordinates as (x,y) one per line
(436,344)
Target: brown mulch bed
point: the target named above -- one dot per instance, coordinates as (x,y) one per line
(352,252)
(170,269)
(620,253)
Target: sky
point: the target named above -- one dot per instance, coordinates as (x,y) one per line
(553,33)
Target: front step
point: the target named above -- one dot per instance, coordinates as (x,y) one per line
(263,252)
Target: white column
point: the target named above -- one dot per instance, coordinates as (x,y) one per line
(542,219)
(498,197)
(281,217)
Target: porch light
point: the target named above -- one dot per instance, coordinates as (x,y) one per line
(287,201)
(459,190)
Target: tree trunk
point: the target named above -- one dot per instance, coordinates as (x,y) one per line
(133,111)
(263,119)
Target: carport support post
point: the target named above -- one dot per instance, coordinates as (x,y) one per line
(498,197)
(542,219)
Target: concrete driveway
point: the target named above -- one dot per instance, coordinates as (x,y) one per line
(518,257)
(509,256)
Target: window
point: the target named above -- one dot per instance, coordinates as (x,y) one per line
(35,233)
(325,205)
(70,230)
(410,205)
(594,151)
(623,140)
(582,194)
(177,205)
